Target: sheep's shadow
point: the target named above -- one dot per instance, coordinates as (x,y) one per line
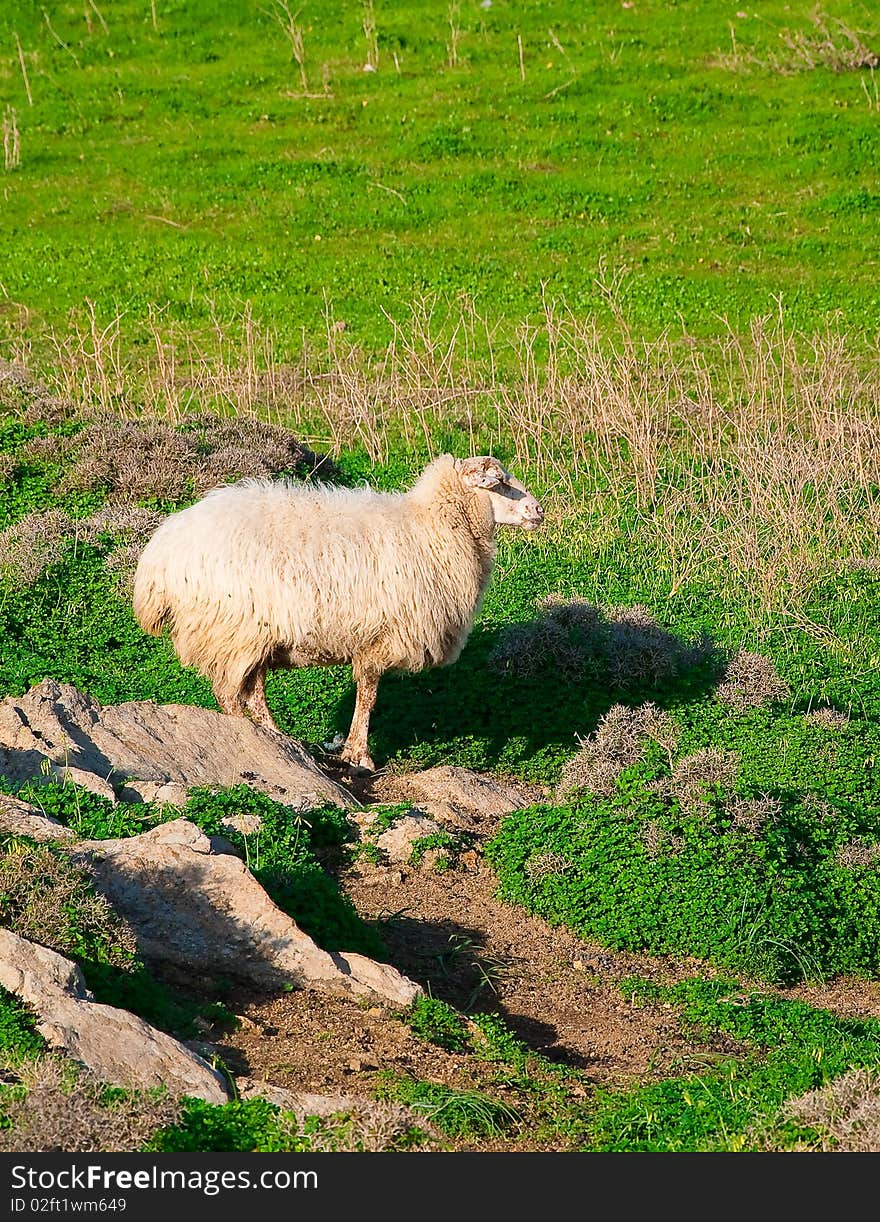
(453,963)
(533,686)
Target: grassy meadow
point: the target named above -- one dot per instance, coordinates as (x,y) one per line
(630,248)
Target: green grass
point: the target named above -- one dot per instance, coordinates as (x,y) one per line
(177,159)
(789,1048)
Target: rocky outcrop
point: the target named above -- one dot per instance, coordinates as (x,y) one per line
(146,750)
(457,797)
(117,1047)
(19,818)
(202,910)
(404,834)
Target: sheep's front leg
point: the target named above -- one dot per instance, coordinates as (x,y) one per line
(255,700)
(230,701)
(356,751)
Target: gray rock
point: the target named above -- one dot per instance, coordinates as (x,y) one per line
(117,1047)
(128,744)
(302,1104)
(19,818)
(456,796)
(398,842)
(202,910)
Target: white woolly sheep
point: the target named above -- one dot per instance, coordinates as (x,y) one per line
(261,575)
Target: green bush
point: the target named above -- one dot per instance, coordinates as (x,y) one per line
(755,876)
(18,1031)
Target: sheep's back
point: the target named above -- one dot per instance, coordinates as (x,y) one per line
(322,574)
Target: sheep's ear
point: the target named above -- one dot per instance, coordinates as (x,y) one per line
(480,473)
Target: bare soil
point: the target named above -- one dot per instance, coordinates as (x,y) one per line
(561,995)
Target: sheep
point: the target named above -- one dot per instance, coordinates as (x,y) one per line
(260,575)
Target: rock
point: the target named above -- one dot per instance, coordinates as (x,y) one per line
(296,1101)
(398,842)
(19,818)
(204,911)
(168,794)
(79,776)
(124,745)
(456,796)
(117,1047)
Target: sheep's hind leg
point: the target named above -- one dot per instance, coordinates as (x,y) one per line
(254,697)
(356,751)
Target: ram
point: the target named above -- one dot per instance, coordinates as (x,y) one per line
(261,575)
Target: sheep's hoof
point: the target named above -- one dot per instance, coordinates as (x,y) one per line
(358,762)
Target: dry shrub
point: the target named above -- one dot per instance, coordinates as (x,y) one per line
(46,898)
(638,649)
(7,466)
(369,1127)
(125,523)
(34,543)
(653,837)
(138,460)
(858,854)
(130,528)
(845,1113)
(63,1111)
(29,400)
(620,740)
(564,639)
(834,45)
(750,681)
(132,460)
(827,717)
(243,447)
(544,864)
(577,640)
(694,775)
(752,815)
(48,449)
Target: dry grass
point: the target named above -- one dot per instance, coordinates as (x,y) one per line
(756,458)
(47,899)
(11,140)
(827,717)
(845,1114)
(71,1112)
(577,640)
(830,43)
(750,681)
(620,740)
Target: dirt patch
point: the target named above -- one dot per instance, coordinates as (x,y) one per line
(561,995)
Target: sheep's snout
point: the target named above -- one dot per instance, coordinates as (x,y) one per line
(533,515)
(514,505)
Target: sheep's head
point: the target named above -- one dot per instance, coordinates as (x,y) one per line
(511,504)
